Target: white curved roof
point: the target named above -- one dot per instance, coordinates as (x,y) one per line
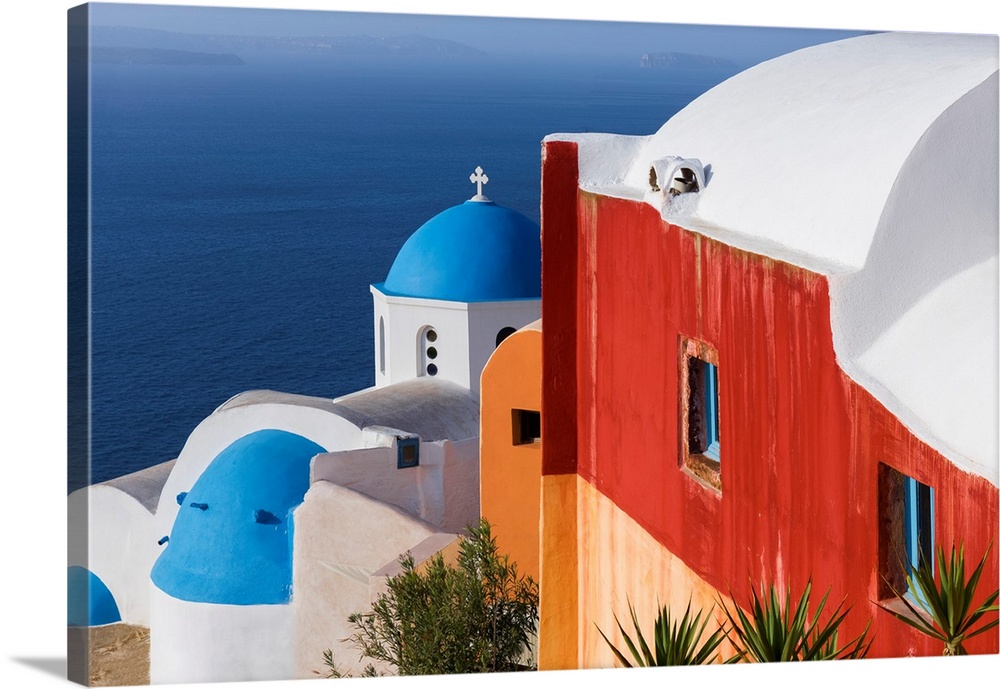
(872,160)
(433,408)
(804,149)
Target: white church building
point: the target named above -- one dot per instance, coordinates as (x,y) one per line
(283,514)
(464,281)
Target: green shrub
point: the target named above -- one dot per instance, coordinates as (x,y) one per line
(476,617)
(333,670)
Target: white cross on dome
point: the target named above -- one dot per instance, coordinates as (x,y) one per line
(479,179)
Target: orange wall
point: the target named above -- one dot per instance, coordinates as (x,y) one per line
(510,475)
(620,563)
(558,644)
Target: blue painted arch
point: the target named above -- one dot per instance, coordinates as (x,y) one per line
(231,539)
(475,251)
(90,601)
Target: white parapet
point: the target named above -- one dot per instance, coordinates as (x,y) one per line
(205,642)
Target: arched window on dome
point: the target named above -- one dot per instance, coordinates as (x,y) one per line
(427,356)
(381,345)
(504,334)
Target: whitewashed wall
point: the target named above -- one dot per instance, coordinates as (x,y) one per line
(342,538)
(486,319)
(405,318)
(917,326)
(202,642)
(466,335)
(122,546)
(443,490)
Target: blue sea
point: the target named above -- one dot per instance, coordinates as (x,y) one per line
(239,214)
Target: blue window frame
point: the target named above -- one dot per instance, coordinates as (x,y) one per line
(711,392)
(918,519)
(906,532)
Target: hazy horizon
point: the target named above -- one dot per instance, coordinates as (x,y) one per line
(498,36)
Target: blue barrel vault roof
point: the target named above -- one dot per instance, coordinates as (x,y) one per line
(475,251)
(231,540)
(90,601)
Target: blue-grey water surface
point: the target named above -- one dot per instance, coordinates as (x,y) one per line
(240,214)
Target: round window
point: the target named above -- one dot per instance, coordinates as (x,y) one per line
(432,336)
(432,353)
(432,369)
(504,334)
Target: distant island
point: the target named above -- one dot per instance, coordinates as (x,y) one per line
(120,37)
(117,55)
(685,60)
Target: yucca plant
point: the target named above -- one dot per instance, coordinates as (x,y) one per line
(675,642)
(947,604)
(772,631)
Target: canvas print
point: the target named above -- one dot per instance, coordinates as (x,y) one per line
(411,345)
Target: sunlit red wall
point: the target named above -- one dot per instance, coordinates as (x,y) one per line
(801,442)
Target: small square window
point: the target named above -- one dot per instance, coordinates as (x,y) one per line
(906,538)
(701,450)
(526,426)
(407,453)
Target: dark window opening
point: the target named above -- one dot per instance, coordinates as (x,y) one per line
(427,352)
(381,345)
(526,426)
(407,453)
(703,408)
(504,334)
(701,448)
(906,530)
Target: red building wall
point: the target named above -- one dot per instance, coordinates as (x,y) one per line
(801,442)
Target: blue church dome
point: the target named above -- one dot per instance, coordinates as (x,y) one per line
(476,251)
(231,540)
(90,602)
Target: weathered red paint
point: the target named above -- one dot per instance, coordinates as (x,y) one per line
(801,441)
(559,247)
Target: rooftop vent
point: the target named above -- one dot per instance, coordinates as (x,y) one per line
(676,175)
